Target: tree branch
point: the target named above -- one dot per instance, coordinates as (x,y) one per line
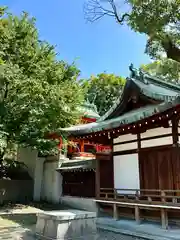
(115,12)
(94,10)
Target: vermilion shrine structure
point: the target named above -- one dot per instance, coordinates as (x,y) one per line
(79,170)
(140,178)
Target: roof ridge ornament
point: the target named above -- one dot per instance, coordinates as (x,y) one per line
(138,74)
(133,71)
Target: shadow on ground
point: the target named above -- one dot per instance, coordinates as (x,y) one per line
(24,220)
(24,215)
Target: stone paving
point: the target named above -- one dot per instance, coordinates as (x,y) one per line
(22,233)
(101,235)
(19,224)
(19,233)
(12,233)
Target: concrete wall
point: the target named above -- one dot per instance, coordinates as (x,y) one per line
(52,182)
(87,204)
(47,181)
(29,157)
(38,179)
(16,191)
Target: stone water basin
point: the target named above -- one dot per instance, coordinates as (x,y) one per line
(65,224)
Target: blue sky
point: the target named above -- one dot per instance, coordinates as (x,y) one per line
(98,47)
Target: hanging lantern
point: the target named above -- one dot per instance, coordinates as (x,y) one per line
(109,136)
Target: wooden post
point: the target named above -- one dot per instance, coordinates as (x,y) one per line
(115,194)
(164,218)
(115,213)
(175,131)
(82,145)
(137,214)
(163,199)
(97,178)
(137,195)
(149,199)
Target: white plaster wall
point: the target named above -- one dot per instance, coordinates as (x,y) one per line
(179,130)
(29,157)
(120,146)
(52,182)
(179,134)
(124,138)
(124,147)
(126,172)
(158,141)
(156,132)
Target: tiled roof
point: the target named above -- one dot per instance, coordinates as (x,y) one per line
(166,96)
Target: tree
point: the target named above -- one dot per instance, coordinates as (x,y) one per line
(158,19)
(103,90)
(38,93)
(166,69)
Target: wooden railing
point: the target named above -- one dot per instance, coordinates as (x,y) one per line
(153,196)
(151,199)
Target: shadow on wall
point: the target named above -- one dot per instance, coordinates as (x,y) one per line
(16,191)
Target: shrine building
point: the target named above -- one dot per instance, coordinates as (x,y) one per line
(140,177)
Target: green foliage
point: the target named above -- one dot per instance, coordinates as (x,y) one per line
(160,20)
(103,90)
(39,94)
(166,69)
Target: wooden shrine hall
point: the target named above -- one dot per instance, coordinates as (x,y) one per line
(140,179)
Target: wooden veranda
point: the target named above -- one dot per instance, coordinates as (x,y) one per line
(167,202)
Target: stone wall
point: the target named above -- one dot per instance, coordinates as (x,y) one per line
(14,191)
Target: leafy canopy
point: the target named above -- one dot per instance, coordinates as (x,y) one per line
(39,93)
(103,90)
(166,69)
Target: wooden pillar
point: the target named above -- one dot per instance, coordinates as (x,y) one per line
(115,210)
(175,152)
(175,131)
(115,214)
(112,159)
(137,214)
(97,178)
(82,145)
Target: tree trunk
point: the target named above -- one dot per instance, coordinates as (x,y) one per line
(174,54)
(2,153)
(172,51)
